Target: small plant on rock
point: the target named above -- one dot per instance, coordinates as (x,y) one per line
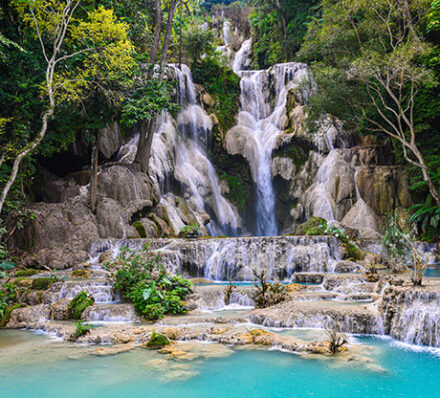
(336,340)
(372,274)
(267,294)
(190,231)
(81,329)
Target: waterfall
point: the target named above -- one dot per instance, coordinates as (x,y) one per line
(412,316)
(193,169)
(224,259)
(179,149)
(227,32)
(242,59)
(261,119)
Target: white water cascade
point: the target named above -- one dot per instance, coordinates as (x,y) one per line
(260,122)
(179,149)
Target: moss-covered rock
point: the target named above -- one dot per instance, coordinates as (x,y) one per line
(190,231)
(7,314)
(77,306)
(81,273)
(313,226)
(157,341)
(140,229)
(43,283)
(27,272)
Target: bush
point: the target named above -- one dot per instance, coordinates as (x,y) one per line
(8,296)
(77,306)
(141,278)
(313,226)
(190,231)
(267,294)
(81,329)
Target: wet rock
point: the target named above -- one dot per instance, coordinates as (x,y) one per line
(109,140)
(59,311)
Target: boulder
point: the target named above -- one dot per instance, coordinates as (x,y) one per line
(109,140)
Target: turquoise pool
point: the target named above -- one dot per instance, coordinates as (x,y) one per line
(30,366)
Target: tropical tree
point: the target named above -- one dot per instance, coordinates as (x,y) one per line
(371,50)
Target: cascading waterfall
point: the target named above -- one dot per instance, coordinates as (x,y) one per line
(412,316)
(182,153)
(224,259)
(262,123)
(193,169)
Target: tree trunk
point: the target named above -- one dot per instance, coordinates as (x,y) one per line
(166,42)
(26,151)
(94,173)
(146,134)
(157,33)
(426,177)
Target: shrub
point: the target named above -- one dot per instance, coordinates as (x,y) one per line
(81,329)
(8,296)
(77,306)
(313,226)
(190,231)
(267,294)
(141,278)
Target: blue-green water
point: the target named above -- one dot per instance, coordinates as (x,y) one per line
(29,368)
(433,271)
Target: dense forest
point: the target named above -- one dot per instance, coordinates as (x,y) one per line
(68,68)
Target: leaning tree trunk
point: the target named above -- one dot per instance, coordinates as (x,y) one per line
(146,134)
(94,173)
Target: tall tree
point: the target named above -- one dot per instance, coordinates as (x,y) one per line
(372,50)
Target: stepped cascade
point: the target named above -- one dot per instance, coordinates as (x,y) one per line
(247,228)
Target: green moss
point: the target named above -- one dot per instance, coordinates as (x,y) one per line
(140,228)
(80,273)
(157,341)
(153,218)
(238,190)
(43,283)
(27,272)
(313,226)
(77,306)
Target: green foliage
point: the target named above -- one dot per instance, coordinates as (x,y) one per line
(238,191)
(313,226)
(81,329)
(141,278)
(79,303)
(267,294)
(43,283)
(190,231)
(157,341)
(278,29)
(149,95)
(198,41)
(224,85)
(8,296)
(427,220)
